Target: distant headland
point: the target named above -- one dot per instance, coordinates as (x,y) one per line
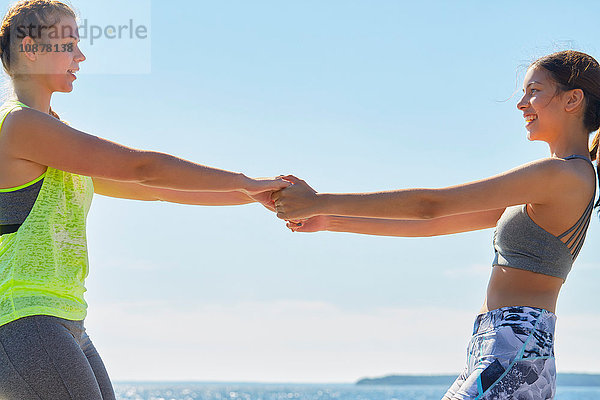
(562,379)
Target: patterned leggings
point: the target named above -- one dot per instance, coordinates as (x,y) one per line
(510,357)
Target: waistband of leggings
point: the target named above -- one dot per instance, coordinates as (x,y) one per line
(76,327)
(515,315)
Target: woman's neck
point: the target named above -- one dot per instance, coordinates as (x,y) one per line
(574,140)
(31,94)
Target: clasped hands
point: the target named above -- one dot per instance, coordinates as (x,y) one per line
(298,204)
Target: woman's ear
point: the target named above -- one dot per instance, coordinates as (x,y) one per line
(28,48)
(574,100)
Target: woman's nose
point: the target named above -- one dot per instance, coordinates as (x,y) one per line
(79,56)
(522,104)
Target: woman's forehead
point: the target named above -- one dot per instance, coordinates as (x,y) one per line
(536,74)
(65,27)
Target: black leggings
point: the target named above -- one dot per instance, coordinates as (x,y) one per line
(48,358)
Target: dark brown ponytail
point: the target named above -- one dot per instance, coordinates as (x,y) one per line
(594,155)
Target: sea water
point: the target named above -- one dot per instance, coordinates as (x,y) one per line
(259,391)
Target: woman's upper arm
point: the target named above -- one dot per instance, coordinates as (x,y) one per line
(536,182)
(32,135)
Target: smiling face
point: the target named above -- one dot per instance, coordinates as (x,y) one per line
(541,105)
(57,58)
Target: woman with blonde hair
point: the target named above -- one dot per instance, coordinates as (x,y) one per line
(48,175)
(541,211)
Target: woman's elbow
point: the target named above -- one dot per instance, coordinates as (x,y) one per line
(429,207)
(149,165)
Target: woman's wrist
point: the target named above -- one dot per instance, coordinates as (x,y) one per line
(244,184)
(332,223)
(323,205)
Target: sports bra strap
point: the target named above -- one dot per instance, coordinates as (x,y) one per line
(578,156)
(583,216)
(575,240)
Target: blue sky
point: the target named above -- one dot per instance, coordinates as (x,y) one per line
(350,96)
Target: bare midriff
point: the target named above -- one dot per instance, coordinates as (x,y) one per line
(516,287)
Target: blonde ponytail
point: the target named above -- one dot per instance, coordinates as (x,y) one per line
(55,115)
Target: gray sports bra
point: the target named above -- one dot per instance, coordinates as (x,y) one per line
(16,204)
(521,243)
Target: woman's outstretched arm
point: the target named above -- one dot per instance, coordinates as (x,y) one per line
(136,191)
(400,227)
(536,182)
(35,136)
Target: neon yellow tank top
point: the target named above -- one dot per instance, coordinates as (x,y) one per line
(43,265)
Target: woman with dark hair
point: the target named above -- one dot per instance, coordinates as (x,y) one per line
(541,211)
(48,175)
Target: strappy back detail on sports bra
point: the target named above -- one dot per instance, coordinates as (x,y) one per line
(575,241)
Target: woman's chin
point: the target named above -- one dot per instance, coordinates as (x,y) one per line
(536,139)
(67,88)
(531,136)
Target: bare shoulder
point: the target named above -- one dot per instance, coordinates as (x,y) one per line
(579,181)
(39,138)
(580,169)
(569,200)
(15,171)
(19,127)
